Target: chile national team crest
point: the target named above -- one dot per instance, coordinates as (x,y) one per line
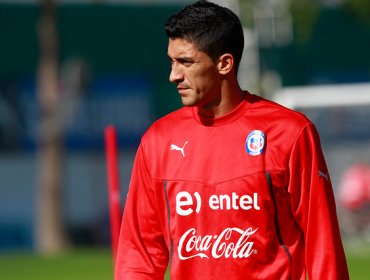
(255,142)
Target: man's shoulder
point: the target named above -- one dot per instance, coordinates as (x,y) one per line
(172,119)
(274,112)
(170,122)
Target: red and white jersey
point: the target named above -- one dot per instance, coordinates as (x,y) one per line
(243,196)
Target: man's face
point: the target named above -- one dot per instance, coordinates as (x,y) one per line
(195,74)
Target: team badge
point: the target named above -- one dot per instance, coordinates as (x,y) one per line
(255,142)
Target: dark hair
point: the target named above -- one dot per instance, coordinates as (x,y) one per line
(215,30)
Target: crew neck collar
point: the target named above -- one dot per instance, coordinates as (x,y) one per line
(225,119)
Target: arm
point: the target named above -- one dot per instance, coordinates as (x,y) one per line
(314,208)
(142,252)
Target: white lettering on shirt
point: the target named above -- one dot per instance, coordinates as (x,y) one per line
(187,203)
(226,202)
(224,245)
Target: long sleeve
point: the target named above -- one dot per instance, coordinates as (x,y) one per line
(314,208)
(142,252)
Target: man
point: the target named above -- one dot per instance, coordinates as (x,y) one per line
(231,186)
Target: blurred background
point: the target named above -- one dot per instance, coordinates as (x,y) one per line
(70,68)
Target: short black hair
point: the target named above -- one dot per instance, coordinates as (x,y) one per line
(215,30)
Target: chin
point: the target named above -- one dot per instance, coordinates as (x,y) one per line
(188,102)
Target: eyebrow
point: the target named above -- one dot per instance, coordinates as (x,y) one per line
(181,58)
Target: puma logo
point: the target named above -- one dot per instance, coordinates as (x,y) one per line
(324,175)
(177,148)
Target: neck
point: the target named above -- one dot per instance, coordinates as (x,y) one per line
(231,95)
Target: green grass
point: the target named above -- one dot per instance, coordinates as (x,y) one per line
(81,264)
(358,260)
(96,264)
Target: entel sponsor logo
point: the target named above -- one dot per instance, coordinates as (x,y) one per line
(185,202)
(192,245)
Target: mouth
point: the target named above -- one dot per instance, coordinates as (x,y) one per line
(181,89)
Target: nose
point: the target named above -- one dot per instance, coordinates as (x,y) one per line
(176,74)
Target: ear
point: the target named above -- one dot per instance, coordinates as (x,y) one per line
(225,63)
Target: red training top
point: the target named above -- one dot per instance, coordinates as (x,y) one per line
(243,196)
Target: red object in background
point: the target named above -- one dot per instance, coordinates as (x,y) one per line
(354,189)
(114,196)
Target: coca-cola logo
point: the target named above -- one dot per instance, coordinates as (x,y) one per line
(230,243)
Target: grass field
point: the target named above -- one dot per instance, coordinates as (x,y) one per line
(81,264)
(96,264)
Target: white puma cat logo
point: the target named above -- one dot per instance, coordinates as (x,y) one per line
(177,148)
